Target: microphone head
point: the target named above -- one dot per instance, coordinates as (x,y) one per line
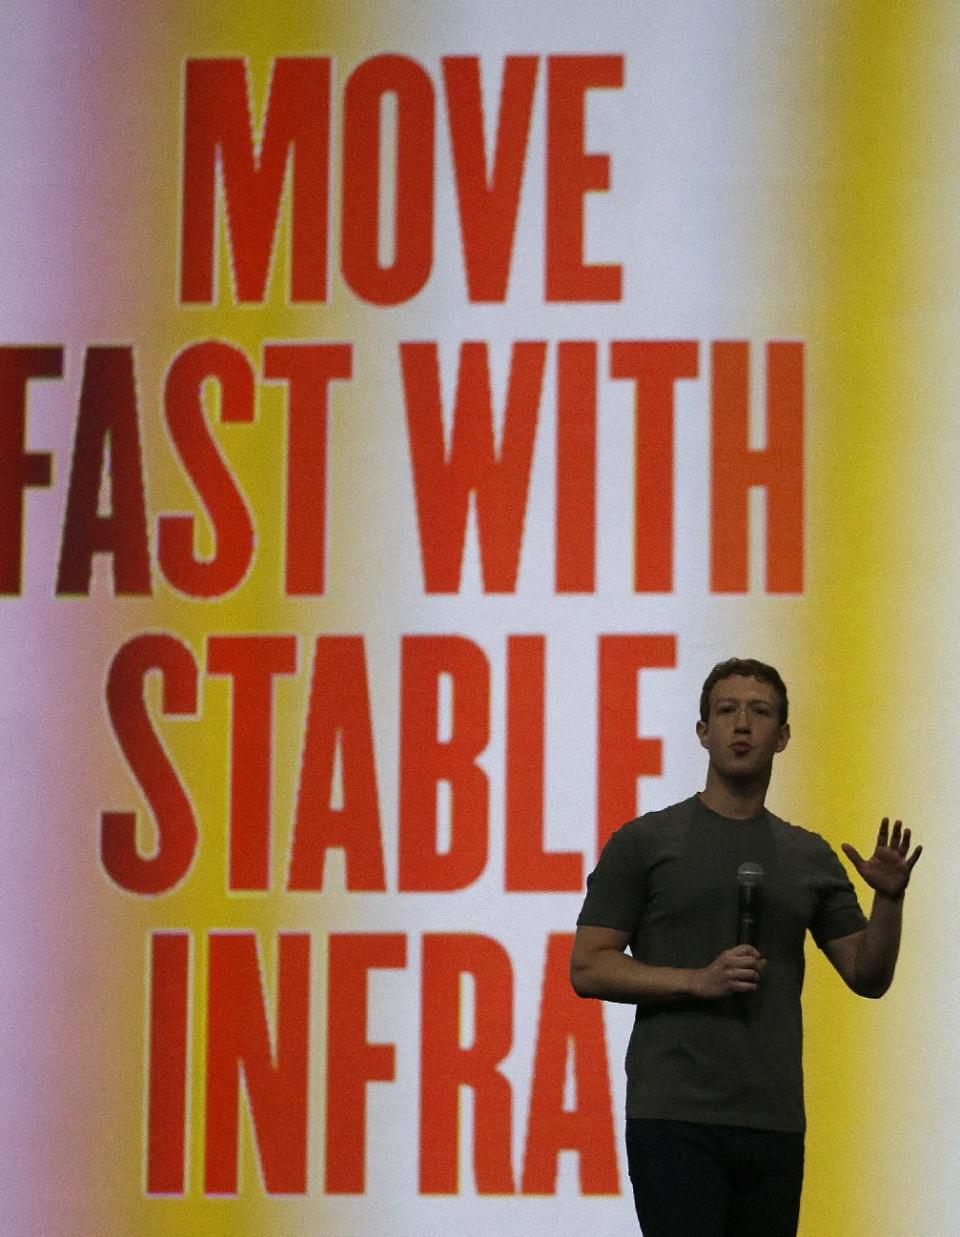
(750,874)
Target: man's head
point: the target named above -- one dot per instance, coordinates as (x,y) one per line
(743,711)
(745,667)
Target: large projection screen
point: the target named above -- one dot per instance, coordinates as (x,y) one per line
(402,407)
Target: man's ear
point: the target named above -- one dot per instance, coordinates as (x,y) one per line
(702,733)
(784,737)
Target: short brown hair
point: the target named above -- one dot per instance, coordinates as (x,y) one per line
(749,668)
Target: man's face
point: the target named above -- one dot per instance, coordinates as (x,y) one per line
(742,732)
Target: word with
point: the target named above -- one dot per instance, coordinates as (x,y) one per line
(476,466)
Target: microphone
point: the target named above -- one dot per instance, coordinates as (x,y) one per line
(749,881)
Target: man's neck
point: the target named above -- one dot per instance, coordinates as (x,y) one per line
(739,800)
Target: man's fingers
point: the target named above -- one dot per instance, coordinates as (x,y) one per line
(744,965)
(852,854)
(905,843)
(896,835)
(883,837)
(738,969)
(913,858)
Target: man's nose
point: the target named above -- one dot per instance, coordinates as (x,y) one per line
(742,720)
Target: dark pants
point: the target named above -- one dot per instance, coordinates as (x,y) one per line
(692,1180)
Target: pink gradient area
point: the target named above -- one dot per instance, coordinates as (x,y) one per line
(68,249)
(58,951)
(37,105)
(79,173)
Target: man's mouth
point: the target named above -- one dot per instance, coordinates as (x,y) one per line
(741,748)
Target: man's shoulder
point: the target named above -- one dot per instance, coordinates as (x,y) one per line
(681,811)
(797,835)
(674,815)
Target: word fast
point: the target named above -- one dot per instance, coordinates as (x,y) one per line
(472,468)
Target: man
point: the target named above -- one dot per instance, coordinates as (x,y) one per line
(715,1115)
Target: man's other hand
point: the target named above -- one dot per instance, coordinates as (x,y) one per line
(889,867)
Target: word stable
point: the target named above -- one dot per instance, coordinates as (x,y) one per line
(434,750)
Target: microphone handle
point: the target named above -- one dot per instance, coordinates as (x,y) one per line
(748,916)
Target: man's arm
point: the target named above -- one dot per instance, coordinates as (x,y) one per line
(600,968)
(866,960)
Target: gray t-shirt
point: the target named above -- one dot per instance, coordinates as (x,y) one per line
(670,880)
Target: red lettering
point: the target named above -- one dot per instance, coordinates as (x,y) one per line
(233,535)
(654,366)
(218,133)
(167,1077)
(399,280)
(576,549)
(309,369)
(447,1065)
(108,413)
(572,173)
(736,467)
(239,1042)
(488,203)
(252,662)
(19,468)
(352,1061)
(225,145)
(569,1027)
(498,481)
(622,756)
(528,865)
(427,760)
(149,763)
(338,719)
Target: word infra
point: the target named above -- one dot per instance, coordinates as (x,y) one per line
(218,1031)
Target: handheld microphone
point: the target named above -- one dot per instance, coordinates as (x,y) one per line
(749,882)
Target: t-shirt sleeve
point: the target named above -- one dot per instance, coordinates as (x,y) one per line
(615,890)
(838,912)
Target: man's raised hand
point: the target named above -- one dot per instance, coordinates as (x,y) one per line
(889,867)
